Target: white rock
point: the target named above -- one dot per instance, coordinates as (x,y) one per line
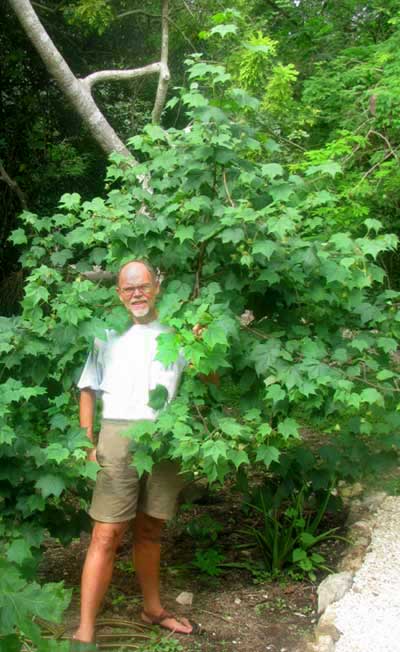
(238,601)
(374,500)
(185,598)
(332,588)
(328,617)
(325,644)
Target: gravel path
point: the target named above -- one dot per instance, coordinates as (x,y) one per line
(369,614)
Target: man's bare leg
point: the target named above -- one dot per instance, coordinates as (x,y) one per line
(96,574)
(147,548)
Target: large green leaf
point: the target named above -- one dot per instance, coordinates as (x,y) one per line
(50,485)
(158,397)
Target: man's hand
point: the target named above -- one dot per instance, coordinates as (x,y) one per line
(197,330)
(213,377)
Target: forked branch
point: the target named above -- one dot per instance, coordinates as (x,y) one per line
(78,91)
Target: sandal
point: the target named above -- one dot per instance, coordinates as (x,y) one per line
(149,619)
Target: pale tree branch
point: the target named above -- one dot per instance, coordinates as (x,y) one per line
(165,76)
(131,12)
(74,89)
(120,75)
(99,276)
(14,186)
(188,8)
(78,91)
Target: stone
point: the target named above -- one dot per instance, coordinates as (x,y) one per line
(328,617)
(326,627)
(185,598)
(311,647)
(362,526)
(374,500)
(332,588)
(363,541)
(331,631)
(325,644)
(348,565)
(353,560)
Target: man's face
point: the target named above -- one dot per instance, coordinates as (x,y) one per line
(138,291)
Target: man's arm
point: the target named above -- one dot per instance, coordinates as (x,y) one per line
(87,405)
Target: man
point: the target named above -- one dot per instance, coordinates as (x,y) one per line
(124,370)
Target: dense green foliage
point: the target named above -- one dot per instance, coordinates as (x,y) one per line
(231,231)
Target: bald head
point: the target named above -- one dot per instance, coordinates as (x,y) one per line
(138,288)
(134,263)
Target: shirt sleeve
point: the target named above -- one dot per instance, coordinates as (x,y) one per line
(92,373)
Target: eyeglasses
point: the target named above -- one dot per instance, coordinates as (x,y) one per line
(146,288)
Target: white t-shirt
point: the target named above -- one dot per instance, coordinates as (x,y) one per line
(123,368)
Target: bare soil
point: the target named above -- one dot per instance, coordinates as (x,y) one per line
(237,610)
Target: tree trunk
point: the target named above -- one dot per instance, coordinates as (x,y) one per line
(164,77)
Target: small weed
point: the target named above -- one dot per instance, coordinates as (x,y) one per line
(306,610)
(279,604)
(295,575)
(117,597)
(209,561)
(261,608)
(212,562)
(204,529)
(262,576)
(125,566)
(196,647)
(166,644)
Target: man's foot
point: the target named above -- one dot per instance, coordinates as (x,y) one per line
(168,621)
(83,641)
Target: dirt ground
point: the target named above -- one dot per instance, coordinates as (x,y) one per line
(237,610)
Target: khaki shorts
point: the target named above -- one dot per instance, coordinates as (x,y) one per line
(119,492)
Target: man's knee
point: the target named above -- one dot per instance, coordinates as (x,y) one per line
(106,537)
(147,528)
